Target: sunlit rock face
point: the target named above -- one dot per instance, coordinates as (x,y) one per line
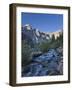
(27,27)
(56,34)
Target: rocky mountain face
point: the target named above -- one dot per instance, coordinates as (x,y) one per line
(33,35)
(56,34)
(36,36)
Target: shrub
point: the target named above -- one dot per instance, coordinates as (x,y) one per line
(44,46)
(54,45)
(26,53)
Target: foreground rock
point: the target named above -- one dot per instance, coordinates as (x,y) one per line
(50,63)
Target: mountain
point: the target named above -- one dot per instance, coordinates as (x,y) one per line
(56,33)
(33,35)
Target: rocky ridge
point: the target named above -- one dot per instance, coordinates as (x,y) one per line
(32,34)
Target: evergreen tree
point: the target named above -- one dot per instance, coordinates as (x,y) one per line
(53,38)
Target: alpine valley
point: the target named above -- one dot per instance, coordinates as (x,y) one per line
(42,52)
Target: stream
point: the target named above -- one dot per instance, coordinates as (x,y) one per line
(49,63)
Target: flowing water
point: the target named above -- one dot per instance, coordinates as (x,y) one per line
(49,63)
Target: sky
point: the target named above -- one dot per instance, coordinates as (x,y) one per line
(43,22)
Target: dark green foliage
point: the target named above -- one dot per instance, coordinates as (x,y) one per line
(53,38)
(26,53)
(44,46)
